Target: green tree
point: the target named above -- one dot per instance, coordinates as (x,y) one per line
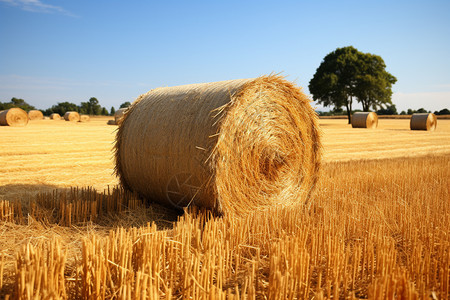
(444,111)
(113,111)
(389,110)
(125,104)
(347,74)
(16,102)
(92,107)
(104,111)
(373,82)
(61,108)
(421,110)
(335,80)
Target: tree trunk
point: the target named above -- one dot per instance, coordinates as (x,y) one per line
(365,105)
(348,105)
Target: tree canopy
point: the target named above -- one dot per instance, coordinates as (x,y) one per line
(16,102)
(347,74)
(92,107)
(61,108)
(125,104)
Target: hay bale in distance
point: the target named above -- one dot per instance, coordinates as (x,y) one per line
(72,116)
(35,115)
(55,116)
(84,118)
(119,115)
(231,146)
(365,120)
(111,122)
(13,117)
(423,121)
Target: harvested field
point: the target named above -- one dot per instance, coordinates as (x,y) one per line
(378,225)
(392,138)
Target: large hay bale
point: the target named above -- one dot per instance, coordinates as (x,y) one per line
(423,121)
(13,117)
(72,116)
(365,120)
(35,115)
(84,118)
(118,116)
(55,116)
(231,146)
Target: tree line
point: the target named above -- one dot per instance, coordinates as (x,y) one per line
(91,107)
(389,110)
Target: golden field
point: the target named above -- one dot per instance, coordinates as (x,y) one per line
(377,228)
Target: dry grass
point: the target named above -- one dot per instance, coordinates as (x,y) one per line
(231,146)
(376,228)
(392,138)
(395,241)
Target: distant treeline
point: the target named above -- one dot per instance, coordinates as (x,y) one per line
(389,110)
(91,107)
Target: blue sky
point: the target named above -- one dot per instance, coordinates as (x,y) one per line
(54,51)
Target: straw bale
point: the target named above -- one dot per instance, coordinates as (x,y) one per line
(118,116)
(35,115)
(111,122)
(55,116)
(72,116)
(231,146)
(365,120)
(84,118)
(423,121)
(13,117)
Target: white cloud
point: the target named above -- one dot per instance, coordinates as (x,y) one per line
(38,6)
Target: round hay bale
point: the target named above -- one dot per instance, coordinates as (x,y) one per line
(365,120)
(231,146)
(111,122)
(84,118)
(423,121)
(72,116)
(55,116)
(13,117)
(119,115)
(35,115)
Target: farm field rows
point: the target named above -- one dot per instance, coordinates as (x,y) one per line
(378,225)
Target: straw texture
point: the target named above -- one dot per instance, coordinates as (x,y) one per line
(35,115)
(118,116)
(72,116)
(365,120)
(111,122)
(231,146)
(84,118)
(13,117)
(55,116)
(424,121)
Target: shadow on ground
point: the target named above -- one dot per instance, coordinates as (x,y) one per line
(50,204)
